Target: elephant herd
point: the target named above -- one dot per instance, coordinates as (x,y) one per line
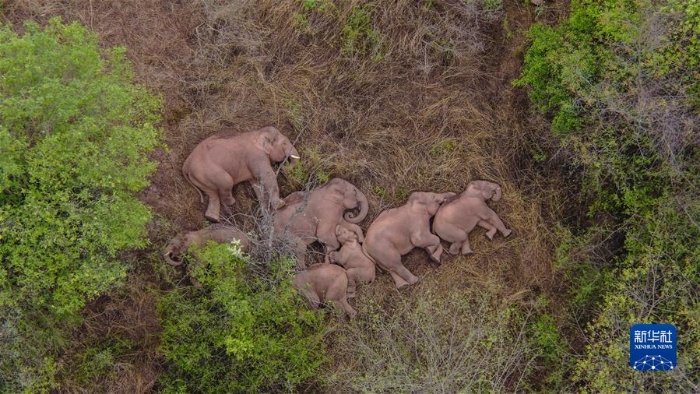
(326,215)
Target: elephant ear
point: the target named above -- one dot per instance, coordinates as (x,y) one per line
(417,204)
(334,192)
(267,138)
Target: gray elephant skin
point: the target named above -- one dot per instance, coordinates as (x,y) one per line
(218,163)
(324,282)
(313,216)
(457,218)
(359,267)
(397,231)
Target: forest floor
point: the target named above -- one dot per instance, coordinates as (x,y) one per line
(419,99)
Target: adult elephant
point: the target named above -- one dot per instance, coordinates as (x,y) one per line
(218,163)
(456,219)
(218,233)
(397,231)
(313,216)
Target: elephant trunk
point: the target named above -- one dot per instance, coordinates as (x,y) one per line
(169,259)
(497,194)
(362,205)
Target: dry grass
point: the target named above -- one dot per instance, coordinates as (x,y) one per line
(418,98)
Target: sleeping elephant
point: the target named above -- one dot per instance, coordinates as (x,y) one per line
(359,267)
(456,219)
(197,239)
(218,163)
(324,282)
(398,230)
(313,216)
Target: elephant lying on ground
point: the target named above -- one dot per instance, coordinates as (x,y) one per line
(218,163)
(325,282)
(398,230)
(313,216)
(457,218)
(359,267)
(197,239)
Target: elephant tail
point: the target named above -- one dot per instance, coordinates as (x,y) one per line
(364,250)
(186,174)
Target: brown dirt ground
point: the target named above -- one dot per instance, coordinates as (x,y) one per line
(164,40)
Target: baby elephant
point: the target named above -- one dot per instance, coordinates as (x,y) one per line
(216,232)
(359,267)
(325,282)
(457,218)
(396,231)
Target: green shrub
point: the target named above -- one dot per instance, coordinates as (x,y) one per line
(241,332)
(74,136)
(620,84)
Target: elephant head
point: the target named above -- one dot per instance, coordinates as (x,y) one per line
(484,189)
(350,197)
(346,235)
(427,202)
(175,248)
(276,145)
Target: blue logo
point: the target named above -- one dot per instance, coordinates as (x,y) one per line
(653,347)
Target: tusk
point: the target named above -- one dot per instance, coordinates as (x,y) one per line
(294,157)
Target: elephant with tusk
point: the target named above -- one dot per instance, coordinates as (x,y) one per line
(313,216)
(457,218)
(217,164)
(397,231)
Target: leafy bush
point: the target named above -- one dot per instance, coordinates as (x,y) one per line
(74,135)
(241,332)
(618,80)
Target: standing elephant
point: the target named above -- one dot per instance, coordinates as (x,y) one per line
(398,230)
(218,163)
(359,267)
(456,219)
(325,282)
(313,216)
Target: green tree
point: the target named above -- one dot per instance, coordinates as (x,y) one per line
(75,132)
(619,80)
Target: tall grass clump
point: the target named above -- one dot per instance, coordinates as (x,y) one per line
(463,341)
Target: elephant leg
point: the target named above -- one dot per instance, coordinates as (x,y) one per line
(269,190)
(325,233)
(398,280)
(407,276)
(494,220)
(343,303)
(455,247)
(490,229)
(213,212)
(352,282)
(299,247)
(312,297)
(430,242)
(466,248)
